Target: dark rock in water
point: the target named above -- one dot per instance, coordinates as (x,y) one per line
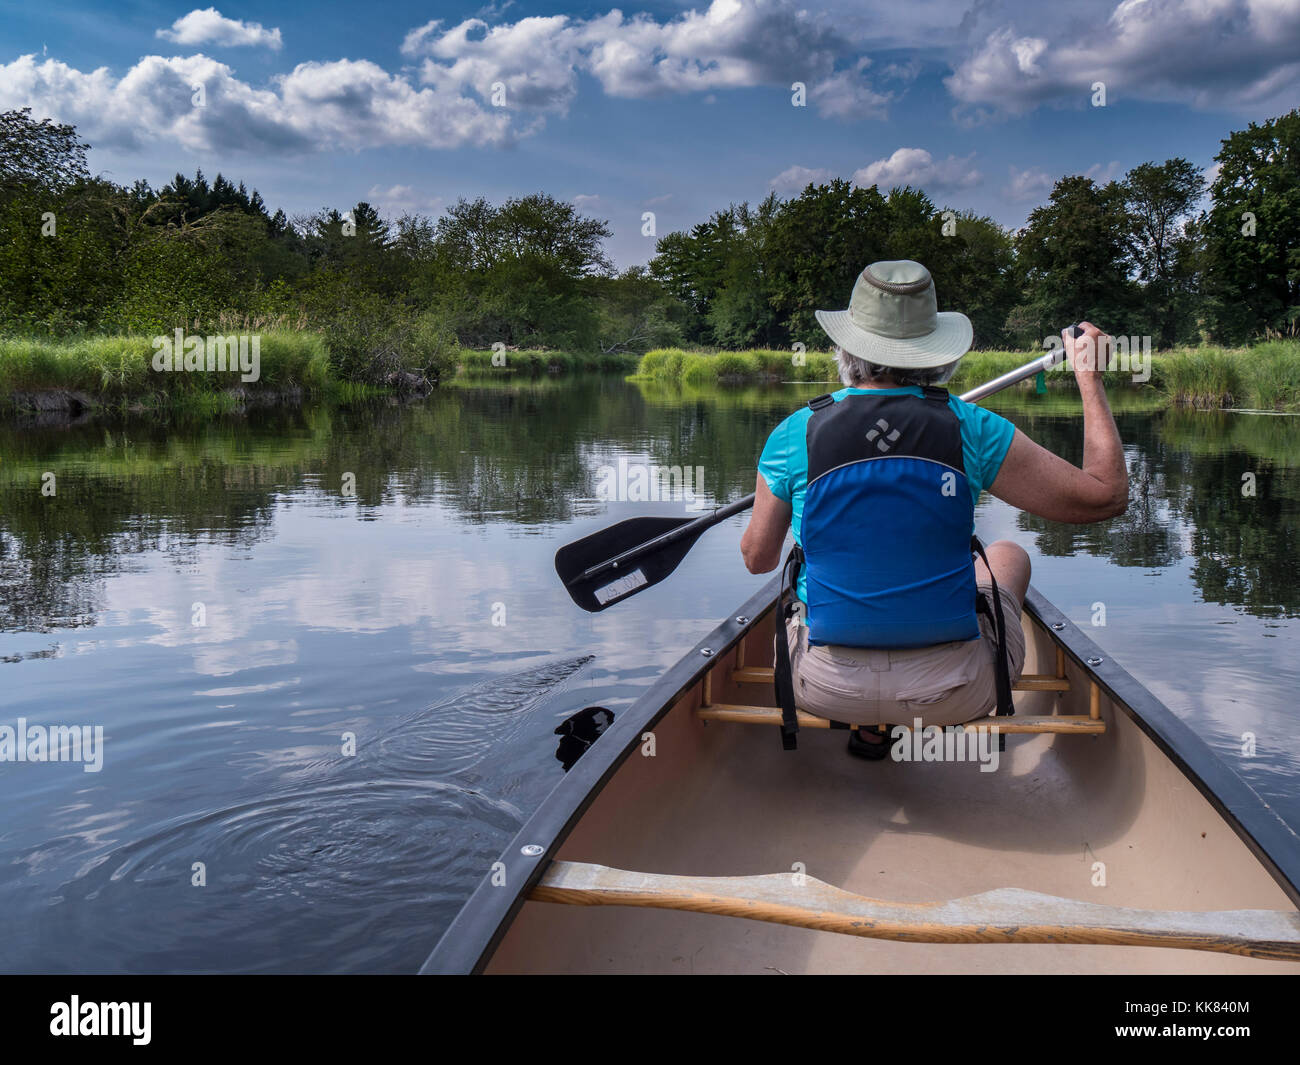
(403,381)
(250,398)
(51,408)
(54,401)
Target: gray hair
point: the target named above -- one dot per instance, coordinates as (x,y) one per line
(855,372)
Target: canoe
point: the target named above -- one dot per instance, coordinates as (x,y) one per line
(1109,837)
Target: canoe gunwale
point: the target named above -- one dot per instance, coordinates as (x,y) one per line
(467,945)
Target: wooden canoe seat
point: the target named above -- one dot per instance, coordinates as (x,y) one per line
(1007,915)
(1061,724)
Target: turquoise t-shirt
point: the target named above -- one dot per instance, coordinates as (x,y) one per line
(985,438)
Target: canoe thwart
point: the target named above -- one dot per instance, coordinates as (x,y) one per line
(1061,724)
(1005,915)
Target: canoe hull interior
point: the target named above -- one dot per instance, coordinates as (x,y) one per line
(1108,819)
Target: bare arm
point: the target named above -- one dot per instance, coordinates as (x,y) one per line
(765,534)
(1034,479)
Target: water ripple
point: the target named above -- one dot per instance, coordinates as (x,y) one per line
(346,870)
(337,876)
(458,733)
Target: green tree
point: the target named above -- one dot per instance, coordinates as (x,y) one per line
(819,243)
(692,265)
(675,268)
(915,231)
(1074,261)
(741,312)
(1251,268)
(970,257)
(56,239)
(635,313)
(1160,200)
(515,273)
(43,155)
(61,255)
(979,277)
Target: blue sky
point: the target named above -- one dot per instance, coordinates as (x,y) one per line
(657,107)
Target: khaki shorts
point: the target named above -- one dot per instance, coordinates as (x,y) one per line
(947,684)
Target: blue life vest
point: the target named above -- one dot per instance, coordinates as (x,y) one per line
(887,523)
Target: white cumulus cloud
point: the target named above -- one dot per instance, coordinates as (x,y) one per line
(1206,53)
(1032,183)
(794,179)
(1035,183)
(462,76)
(344,104)
(403,199)
(916,167)
(731,44)
(210,26)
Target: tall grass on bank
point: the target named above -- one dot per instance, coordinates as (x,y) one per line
(477,363)
(1201,377)
(701,368)
(1272,375)
(738,367)
(1265,376)
(118,370)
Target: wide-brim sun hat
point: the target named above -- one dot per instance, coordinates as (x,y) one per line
(893,319)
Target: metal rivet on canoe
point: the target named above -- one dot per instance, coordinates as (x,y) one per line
(1095,661)
(742,620)
(1057,626)
(532,850)
(707,652)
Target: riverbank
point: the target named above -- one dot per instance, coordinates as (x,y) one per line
(121,373)
(67,378)
(1265,376)
(284,367)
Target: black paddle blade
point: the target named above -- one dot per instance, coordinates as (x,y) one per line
(602,590)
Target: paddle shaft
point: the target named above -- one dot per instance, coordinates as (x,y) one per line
(707,521)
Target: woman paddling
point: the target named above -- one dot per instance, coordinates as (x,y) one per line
(892,618)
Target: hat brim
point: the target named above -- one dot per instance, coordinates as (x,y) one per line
(950,340)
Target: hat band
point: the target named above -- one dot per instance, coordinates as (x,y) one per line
(895,334)
(897,288)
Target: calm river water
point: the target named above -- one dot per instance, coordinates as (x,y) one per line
(328,650)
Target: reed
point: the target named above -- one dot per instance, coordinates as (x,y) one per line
(1200,377)
(1271,375)
(1265,376)
(732,367)
(118,370)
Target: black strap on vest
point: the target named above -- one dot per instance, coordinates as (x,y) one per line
(783,674)
(1001,665)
